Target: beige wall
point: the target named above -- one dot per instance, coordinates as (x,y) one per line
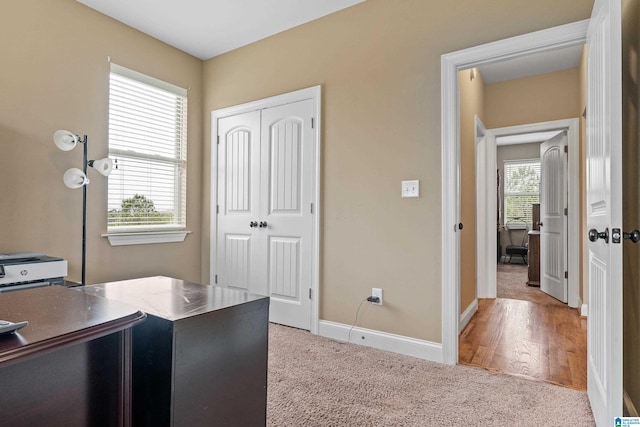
(379,66)
(631,193)
(55,75)
(541,98)
(471,104)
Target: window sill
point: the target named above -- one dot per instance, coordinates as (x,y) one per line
(146,237)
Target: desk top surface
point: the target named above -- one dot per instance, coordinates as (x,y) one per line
(58,316)
(171,299)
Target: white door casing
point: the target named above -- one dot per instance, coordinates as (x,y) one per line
(553,221)
(604,211)
(275,254)
(486,217)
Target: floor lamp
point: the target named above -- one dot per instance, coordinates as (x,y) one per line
(75,178)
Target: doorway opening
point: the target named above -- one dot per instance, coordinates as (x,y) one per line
(516,328)
(534,133)
(547,40)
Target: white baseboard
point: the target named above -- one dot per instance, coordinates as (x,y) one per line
(421,349)
(467,315)
(629,406)
(584,310)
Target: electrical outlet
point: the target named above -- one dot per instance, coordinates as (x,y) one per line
(411,188)
(377,292)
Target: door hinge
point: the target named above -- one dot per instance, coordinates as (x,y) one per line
(218,139)
(309,293)
(216,279)
(311,208)
(566,148)
(217,209)
(566,274)
(566,211)
(313,123)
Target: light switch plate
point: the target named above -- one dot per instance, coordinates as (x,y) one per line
(411,188)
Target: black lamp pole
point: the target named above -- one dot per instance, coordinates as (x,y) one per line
(84,210)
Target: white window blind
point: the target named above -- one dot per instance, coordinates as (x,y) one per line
(148,143)
(521,190)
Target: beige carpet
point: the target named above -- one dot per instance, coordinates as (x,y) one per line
(512,283)
(314,381)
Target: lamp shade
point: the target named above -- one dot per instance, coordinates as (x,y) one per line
(103,166)
(65,140)
(75,178)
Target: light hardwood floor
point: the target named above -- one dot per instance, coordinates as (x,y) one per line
(546,342)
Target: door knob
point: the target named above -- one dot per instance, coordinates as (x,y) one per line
(540,224)
(253,224)
(263,224)
(595,235)
(634,236)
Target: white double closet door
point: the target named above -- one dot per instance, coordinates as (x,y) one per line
(265,220)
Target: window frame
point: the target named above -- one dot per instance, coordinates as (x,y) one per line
(529,224)
(163,233)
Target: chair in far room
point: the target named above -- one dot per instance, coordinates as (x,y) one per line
(522,249)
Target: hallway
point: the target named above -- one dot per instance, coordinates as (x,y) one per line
(533,336)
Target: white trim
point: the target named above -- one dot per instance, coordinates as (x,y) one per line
(314,93)
(421,349)
(148,80)
(468,314)
(540,41)
(146,238)
(584,310)
(486,199)
(629,406)
(572,126)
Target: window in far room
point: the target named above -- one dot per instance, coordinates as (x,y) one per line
(521,190)
(148,143)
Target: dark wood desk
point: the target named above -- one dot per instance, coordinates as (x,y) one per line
(200,359)
(534,258)
(71,365)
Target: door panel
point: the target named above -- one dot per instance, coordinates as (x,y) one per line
(284,164)
(237,261)
(553,200)
(604,211)
(284,267)
(238,161)
(239,200)
(286,192)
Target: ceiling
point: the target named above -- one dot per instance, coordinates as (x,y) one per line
(206,28)
(531,65)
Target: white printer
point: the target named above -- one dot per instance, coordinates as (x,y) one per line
(23,270)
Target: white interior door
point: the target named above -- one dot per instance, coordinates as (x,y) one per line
(239,262)
(553,222)
(286,196)
(265,224)
(604,211)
